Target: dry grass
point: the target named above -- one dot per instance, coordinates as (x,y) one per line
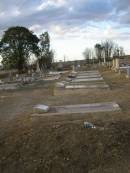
(60,144)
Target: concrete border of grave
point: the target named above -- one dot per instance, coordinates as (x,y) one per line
(89,71)
(87,79)
(82,109)
(88,83)
(9,86)
(105,86)
(88,76)
(77,91)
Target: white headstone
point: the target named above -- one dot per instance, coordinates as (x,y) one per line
(60,84)
(1,82)
(41,108)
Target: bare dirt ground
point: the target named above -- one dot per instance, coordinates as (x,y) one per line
(60,144)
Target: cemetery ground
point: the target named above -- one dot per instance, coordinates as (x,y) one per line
(61,144)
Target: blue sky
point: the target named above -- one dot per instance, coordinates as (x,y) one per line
(73,24)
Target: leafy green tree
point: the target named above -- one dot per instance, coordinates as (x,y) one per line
(16,46)
(46,54)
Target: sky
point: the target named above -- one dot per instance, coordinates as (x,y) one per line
(73,25)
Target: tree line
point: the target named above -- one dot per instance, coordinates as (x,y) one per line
(103,52)
(17,46)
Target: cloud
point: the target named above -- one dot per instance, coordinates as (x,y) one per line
(86,21)
(50,4)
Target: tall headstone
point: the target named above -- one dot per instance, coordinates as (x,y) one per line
(10,76)
(128,72)
(113,64)
(38,68)
(117,65)
(1,82)
(73,68)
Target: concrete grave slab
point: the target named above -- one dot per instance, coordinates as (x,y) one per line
(57,72)
(88,79)
(88,76)
(86,86)
(9,86)
(84,74)
(82,91)
(87,83)
(83,108)
(90,71)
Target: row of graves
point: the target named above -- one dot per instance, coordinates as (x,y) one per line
(78,82)
(17,81)
(81,82)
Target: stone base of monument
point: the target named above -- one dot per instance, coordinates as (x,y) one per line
(81,109)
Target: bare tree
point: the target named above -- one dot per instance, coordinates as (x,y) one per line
(99,52)
(108,47)
(118,51)
(87,54)
(121,51)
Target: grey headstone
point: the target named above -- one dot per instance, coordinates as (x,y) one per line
(128,72)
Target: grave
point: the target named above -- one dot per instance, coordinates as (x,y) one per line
(87,83)
(81,84)
(91,71)
(82,108)
(9,86)
(57,72)
(75,90)
(88,76)
(101,86)
(88,79)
